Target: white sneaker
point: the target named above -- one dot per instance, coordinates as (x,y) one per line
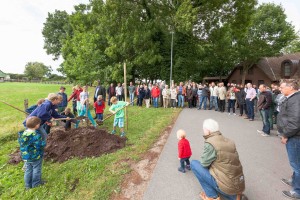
(261,132)
(265,135)
(234,114)
(229,113)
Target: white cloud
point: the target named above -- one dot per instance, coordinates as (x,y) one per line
(21,39)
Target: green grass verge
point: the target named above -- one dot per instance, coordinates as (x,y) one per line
(90,178)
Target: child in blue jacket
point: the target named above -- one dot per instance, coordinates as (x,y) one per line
(32,150)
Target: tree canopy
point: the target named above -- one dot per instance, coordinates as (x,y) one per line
(210,37)
(37,70)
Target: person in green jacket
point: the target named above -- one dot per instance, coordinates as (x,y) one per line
(116,109)
(219,170)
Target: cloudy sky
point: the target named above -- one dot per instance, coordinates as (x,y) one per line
(21,24)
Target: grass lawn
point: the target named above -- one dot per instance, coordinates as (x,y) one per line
(90,178)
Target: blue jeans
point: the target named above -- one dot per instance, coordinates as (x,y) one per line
(184,160)
(180,100)
(208,182)
(231,104)
(43,132)
(203,100)
(213,101)
(33,173)
(131,96)
(155,102)
(100,116)
(293,151)
(265,118)
(250,108)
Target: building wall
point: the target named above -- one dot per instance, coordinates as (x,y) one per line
(256,77)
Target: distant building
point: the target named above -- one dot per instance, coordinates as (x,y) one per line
(269,70)
(3,76)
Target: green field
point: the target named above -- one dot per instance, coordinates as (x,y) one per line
(99,177)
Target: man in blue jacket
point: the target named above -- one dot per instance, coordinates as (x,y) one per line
(64,103)
(46,112)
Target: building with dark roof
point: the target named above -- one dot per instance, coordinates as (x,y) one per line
(269,70)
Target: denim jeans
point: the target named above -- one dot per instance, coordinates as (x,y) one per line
(180,100)
(69,122)
(131,96)
(203,99)
(231,104)
(43,132)
(265,119)
(250,108)
(33,173)
(100,116)
(213,102)
(293,151)
(74,107)
(184,160)
(155,102)
(208,182)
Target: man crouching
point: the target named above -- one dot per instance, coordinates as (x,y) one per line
(219,171)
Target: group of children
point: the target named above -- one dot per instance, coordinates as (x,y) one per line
(33,140)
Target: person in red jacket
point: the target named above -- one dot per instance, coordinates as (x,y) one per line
(99,105)
(184,151)
(155,92)
(76,94)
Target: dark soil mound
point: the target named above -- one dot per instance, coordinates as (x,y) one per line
(81,142)
(15,157)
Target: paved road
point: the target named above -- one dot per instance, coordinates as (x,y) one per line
(264,159)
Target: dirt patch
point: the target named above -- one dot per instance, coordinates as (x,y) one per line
(15,157)
(81,143)
(135,183)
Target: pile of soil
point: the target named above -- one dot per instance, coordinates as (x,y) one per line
(81,142)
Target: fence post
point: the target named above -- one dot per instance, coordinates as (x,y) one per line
(26,105)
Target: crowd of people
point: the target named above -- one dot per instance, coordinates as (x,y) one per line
(275,105)
(219,170)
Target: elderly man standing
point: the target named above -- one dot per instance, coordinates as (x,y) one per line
(250,96)
(289,127)
(219,171)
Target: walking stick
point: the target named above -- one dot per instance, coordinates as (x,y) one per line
(14,107)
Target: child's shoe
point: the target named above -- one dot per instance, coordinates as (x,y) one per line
(181,170)
(123,134)
(113,132)
(188,167)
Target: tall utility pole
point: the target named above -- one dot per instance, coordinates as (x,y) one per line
(171,59)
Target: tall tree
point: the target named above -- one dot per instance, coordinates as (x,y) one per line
(293,46)
(267,35)
(56,30)
(37,70)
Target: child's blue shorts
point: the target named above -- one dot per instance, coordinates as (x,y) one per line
(119,122)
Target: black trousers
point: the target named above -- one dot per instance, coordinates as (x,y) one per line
(222,105)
